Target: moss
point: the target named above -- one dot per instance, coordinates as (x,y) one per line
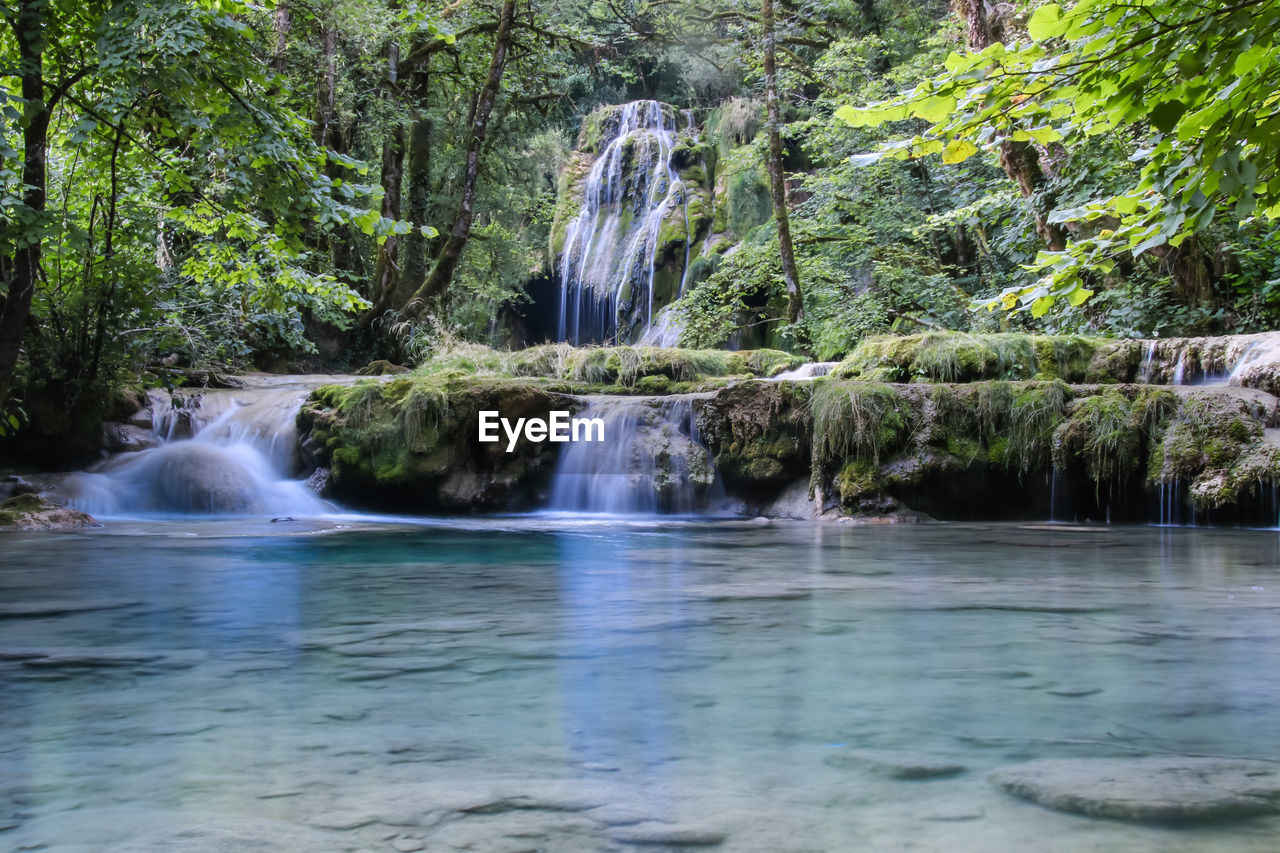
(858,419)
(857,479)
(1100,432)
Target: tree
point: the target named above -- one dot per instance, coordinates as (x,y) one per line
(777,177)
(435,288)
(1190,85)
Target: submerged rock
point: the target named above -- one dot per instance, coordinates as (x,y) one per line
(1165,788)
(236,833)
(896,764)
(32,512)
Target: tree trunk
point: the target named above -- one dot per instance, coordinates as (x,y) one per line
(387,268)
(281,24)
(1020,160)
(24,268)
(777,177)
(435,290)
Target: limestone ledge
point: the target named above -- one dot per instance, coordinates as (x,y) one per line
(990,448)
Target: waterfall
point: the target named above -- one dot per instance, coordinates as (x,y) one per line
(610,249)
(653,461)
(225,452)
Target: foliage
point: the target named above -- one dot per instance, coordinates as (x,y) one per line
(1188,86)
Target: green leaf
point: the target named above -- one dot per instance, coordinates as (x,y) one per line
(958,150)
(1046,22)
(1078,296)
(933,109)
(1165,115)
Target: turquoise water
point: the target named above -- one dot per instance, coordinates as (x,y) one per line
(563,685)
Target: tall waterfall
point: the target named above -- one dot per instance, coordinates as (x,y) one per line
(225,452)
(607,265)
(653,461)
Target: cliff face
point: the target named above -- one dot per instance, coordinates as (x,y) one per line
(1023,428)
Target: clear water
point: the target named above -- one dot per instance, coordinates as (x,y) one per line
(560,685)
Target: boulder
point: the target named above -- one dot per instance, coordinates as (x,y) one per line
(32,512)
(1165,788)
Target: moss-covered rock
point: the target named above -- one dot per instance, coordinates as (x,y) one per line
(759,435)
(32,512)
(413,443)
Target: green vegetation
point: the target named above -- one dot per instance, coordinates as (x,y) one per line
(192,186)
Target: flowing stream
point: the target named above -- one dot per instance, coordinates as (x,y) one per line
(219,452)
(607,266)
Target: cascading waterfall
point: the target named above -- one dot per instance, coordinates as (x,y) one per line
(227,452)
(610,248)
(653,461)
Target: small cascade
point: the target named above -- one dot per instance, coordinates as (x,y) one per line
(652,461)
(1148,364)
(806,372)
(224,452)
(608,263)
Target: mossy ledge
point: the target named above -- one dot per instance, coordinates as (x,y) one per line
(1030,446)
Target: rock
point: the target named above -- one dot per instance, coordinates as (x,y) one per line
(126,438)
(671,834)
(381,367)
(793,502)
(32,512)
(12,485)
(895,764)
(238,834)
(1073,690)
(1164,788)
(192,477)
(318,482)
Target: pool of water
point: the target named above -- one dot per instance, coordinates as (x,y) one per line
(522,684)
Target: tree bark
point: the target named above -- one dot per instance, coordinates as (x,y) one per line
(435,290)
(386,272)
(1020,160)
(281,23)
(24,268)
(777,177)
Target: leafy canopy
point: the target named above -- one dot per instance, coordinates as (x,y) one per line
(1191,86)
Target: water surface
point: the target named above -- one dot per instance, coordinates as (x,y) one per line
(563,685)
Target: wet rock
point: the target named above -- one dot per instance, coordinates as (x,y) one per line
(1165,788)
(896,764)
(12,485)
(670,834)
(235,834)
(32,512)
(126,438)
(1073,691)
(318,482)
(193,477)
(381,367)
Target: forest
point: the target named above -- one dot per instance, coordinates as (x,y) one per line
(191,187)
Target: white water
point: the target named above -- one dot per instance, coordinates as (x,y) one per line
(607,266)
(653,461)
(224,452)
(805,372)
